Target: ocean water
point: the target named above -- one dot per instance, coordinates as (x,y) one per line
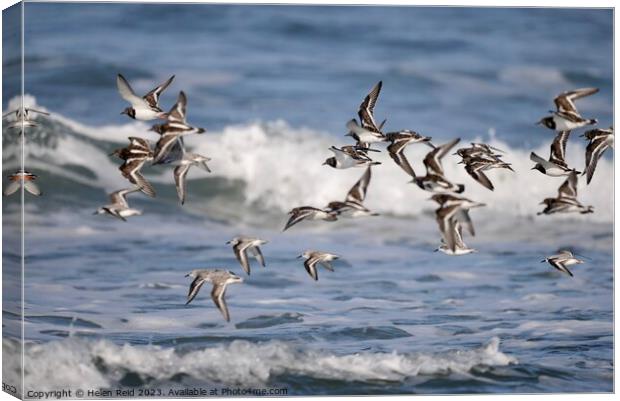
(274,86)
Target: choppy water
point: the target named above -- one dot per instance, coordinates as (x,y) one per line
(274,86)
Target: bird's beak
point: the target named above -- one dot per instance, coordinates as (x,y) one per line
(543,261)
(533,168)
(300,256)
(324,163)
(348,134)
(228,242)
(95,212)
(123,112)
(187,275)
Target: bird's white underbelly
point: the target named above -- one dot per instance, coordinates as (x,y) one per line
(146,114)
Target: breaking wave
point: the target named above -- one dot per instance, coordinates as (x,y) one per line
(77,363)
(278,167)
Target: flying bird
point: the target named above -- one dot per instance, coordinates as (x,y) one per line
(349,156)
(566,117)
(452,214)
(562,260)
(367,131)
(434,180)
(19,178)
(600,141)
(143,108)
(302,213)
(556,165)
(459,246)
(399,141)
(174,129)
(566,201)
(316,257)
(353,205)
(118,206)
(22,117)
(220,280)
(180,172)
(135,155)
(242,245)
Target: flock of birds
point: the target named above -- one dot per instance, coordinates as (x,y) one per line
(23,178)
(452,214)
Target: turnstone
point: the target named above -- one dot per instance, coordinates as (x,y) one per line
(556,165)
(600,141)
(173,130)
(353,205)
(349,156)
(475,167)
(567,118)
(367,131)
(566,201)
(135,155)
(434,180)
(399,141)
(460,247)
(143,108)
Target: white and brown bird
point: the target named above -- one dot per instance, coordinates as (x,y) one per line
(220,279)
(174,129)
(302,213)
(353,205)
(435,180)
(367,131)
(562,260)
(600,141)
(349,156)
(566,117)
(135,155)
(399,140)
(476,166)
(556,165)
(118,206)
(19,178)
(479,151)
(143,108)
(566,201)
(460,247)
(242,245)
(316,257)
(452,214)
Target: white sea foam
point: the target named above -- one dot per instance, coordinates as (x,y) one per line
(281,168)
(75,363)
